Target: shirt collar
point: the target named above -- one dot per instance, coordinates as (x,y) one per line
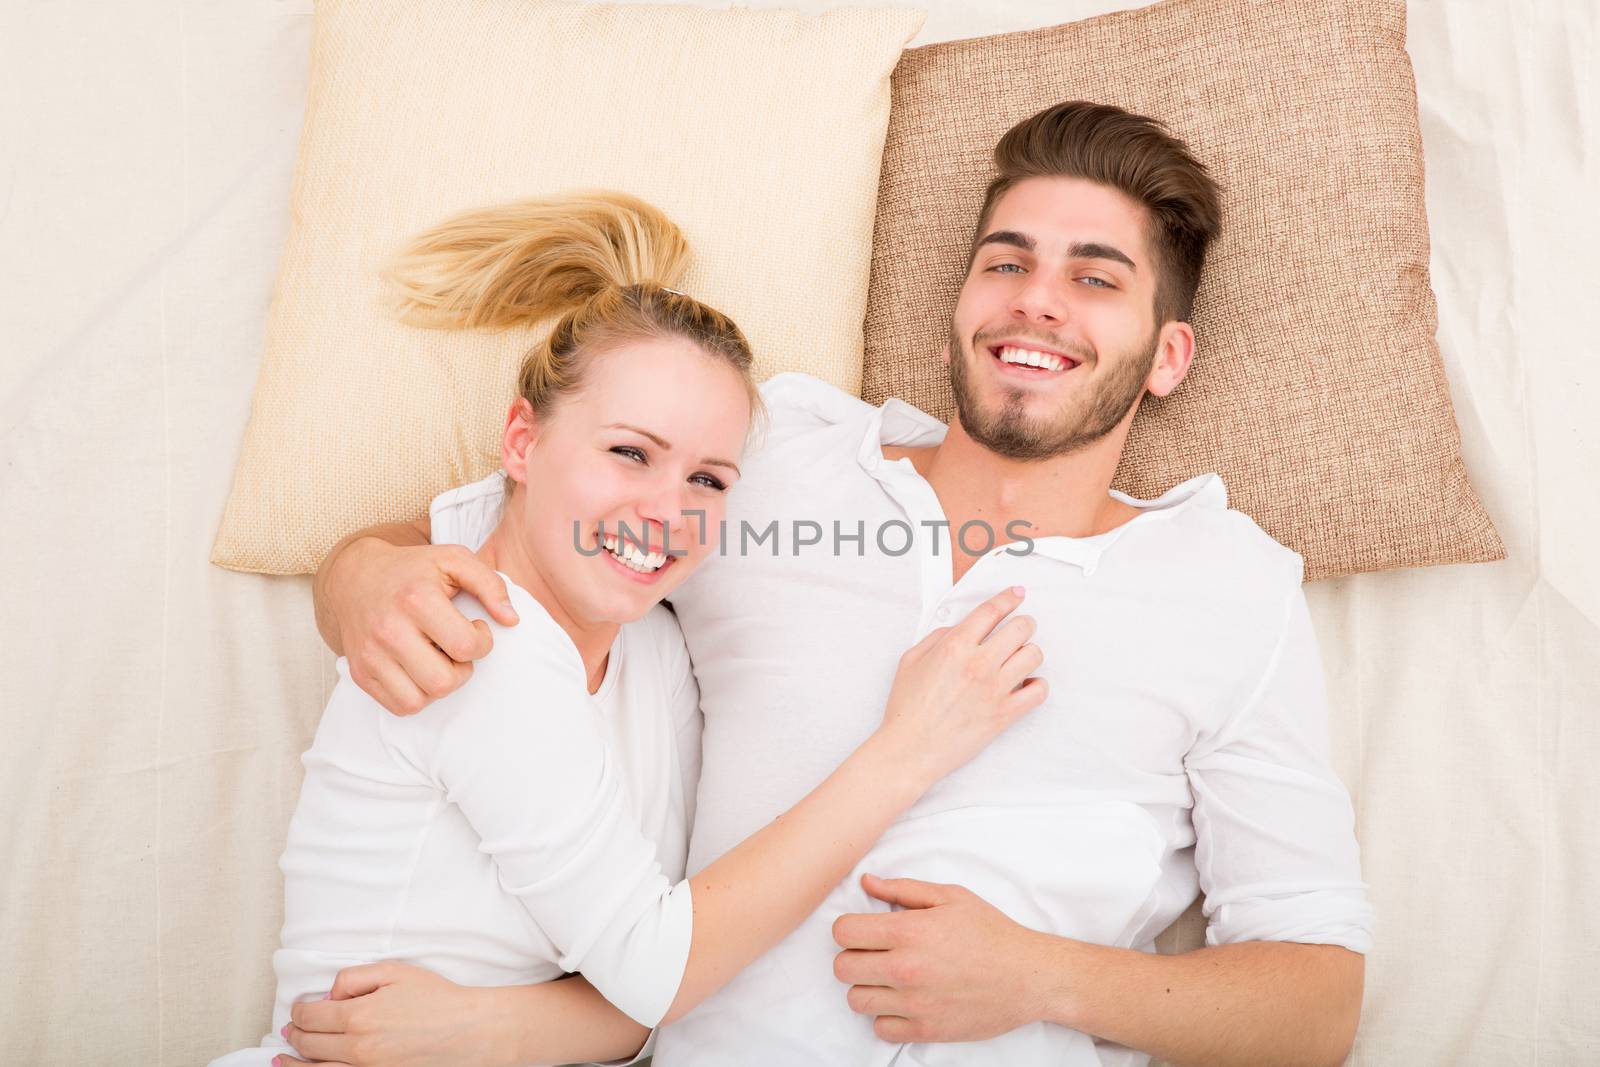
(900,423)
(897,423)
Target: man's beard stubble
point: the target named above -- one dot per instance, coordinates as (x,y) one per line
(1009,432)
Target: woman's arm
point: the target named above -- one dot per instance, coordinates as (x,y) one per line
(533,777)
(578,864)
(956,690)
(392,1014)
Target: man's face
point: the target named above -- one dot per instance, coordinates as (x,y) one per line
(1063,277)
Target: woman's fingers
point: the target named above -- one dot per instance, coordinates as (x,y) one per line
(1027,696)
(1008,637)
(317,1047)
(1017,666)
(986,616)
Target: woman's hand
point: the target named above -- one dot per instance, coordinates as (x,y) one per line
(406,643)
(393,1015)
(960,686)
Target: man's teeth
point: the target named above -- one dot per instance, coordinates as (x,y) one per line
(1029,358)
(629,554)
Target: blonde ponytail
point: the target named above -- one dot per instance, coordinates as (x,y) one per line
(603,261)
(517,264)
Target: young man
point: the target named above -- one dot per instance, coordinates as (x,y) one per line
(1183,747)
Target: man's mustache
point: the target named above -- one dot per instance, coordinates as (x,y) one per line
(1078,350)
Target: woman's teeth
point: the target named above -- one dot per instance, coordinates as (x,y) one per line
(1029,358)
(628,554)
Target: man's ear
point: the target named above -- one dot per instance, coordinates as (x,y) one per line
(519,435)
(1174,353)
(944,354)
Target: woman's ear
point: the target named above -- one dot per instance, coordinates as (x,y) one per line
(520,433)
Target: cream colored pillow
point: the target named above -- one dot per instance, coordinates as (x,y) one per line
(759,132)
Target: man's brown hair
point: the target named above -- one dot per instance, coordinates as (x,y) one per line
(1138,157)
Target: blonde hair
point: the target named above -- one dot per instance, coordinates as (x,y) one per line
(603,261)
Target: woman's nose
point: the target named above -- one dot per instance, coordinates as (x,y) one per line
(662,510)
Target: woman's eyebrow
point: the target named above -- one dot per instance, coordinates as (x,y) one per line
(665,446)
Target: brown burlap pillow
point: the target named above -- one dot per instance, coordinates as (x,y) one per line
(1317,391)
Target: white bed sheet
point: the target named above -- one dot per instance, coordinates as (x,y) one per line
(154,706)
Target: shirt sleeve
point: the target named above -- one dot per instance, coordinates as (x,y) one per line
(1275,843)
(521,752)
(468,514)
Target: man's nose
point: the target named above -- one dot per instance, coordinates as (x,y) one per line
(1040,299)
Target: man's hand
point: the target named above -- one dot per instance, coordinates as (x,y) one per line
(406,643)
(393,1015)
(951,967)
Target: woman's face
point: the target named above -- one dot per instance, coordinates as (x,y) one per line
(612,481)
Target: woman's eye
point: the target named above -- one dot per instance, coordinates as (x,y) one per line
(709,481)
(635,454)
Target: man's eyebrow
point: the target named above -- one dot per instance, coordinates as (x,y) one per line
(1076,250)
(1095,250)
(1008,237)
(663,444)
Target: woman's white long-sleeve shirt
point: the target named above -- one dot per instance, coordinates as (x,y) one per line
(518,829)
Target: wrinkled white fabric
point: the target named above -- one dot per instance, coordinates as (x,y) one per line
(516,831)
(1184,741)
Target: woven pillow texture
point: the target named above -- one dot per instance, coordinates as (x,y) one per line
(1317,390)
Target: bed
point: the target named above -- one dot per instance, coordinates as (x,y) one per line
(155,706)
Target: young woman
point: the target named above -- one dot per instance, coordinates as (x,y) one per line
(533,822)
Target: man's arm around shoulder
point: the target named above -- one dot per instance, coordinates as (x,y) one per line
(382,599)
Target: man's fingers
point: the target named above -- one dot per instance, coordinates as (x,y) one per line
(360,980)
(894,1029)
(862,968)
(908,892)
(430,670)
(441,622)
(875,1000)
(387,682)
(986,616)
(474,576)
(872,930)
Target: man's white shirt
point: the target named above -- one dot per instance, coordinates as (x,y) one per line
(1182,748)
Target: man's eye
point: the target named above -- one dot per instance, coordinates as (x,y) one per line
(635,454)
(710,481)
(1006,268)
(1095,282)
